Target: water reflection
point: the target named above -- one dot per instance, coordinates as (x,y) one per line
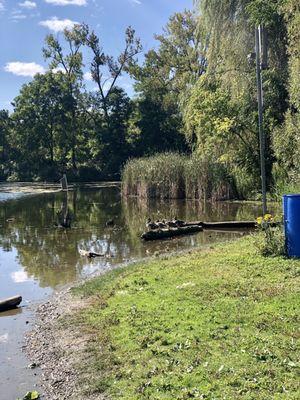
(50,254)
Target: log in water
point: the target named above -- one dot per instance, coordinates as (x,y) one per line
(229,224)
(171,232)
(223,224)
(196,226)
(11,302)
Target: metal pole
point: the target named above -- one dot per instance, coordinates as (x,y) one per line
(258,48)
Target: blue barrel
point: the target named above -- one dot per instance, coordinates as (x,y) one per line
(291,210)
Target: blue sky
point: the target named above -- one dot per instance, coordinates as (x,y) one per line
(25,23)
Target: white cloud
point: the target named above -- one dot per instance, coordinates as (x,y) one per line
(20,277)
(58,69)
(67,2)
(4,338)
(87,76)
(58,25)
(24,69)
(28,4)
(138,2)
(17,17)
(1,6)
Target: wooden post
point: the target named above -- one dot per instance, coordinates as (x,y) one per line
(259,67)
(64,182)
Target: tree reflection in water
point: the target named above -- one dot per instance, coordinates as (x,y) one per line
(51,255)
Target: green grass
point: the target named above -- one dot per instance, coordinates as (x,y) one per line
(219,323)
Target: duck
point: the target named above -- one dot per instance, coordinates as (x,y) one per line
(161,224)
(171,224)
(178,222)
(151,225)
(110,222)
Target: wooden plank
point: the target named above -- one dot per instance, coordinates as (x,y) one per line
(11,302)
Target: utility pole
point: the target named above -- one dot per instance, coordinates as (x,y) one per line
(261,64)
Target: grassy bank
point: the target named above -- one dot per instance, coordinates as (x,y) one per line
(173,176)
(216,324)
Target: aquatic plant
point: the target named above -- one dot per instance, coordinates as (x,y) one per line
(172,175)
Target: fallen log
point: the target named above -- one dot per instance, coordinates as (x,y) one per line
(222,224)
(198,226)
(11,302)
(229,224)
(192,223)
(170,232)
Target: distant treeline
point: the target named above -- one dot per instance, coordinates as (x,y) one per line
(195,95)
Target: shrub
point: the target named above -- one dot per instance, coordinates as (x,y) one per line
(270,241)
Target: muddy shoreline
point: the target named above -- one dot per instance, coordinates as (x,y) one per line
(56,349)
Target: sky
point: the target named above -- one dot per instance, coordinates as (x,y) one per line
(25,23)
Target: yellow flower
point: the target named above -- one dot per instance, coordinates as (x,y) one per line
(268,217)
(259,220)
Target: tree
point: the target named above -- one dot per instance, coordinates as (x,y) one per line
(286,138)
(110,142)
(40,121)
(5,125)
(71,66)
(163,79)
(230,27)
(106,70)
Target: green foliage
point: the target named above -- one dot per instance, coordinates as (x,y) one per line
(195,93)
(41,118)
(170,175)
(286,140)
(5,150)
(33,395)
(231,28)
(270,241)
(213,324)
(58,127)
(162,80)
(209,121)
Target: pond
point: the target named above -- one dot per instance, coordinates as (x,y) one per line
(37,258)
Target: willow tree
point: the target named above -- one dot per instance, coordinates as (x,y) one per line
(229,26)
(287,137)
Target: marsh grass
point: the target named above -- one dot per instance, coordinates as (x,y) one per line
(175,176)
(219,323)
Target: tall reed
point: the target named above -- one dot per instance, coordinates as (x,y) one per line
(171,176)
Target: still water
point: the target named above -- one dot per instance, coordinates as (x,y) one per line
(37,258)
